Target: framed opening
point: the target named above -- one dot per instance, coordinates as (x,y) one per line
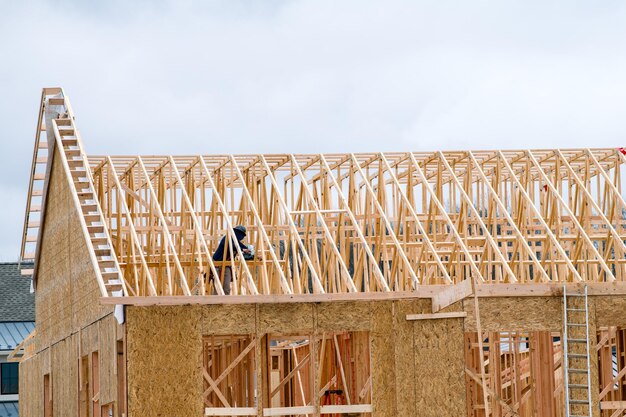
(611,342)
(328,374)
(229,373)
(121,378)
(83,387)
(523,372)
(107,410)
(95,384)
(296,375)
(344,374)
(290,377)
(47,396)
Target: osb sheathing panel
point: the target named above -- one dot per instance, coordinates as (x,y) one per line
(341,316)
(595,371)
(61,361)
(108,360)
(229,319)
(516,313)
(439,367)
(88,339)
(383,353)
(404,351)
(31,393)
(610,310)
(285,318)
(64,376)
(67,290)
(164,356)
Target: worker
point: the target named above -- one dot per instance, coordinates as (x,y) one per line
(220,256)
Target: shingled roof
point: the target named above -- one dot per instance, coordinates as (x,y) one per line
(16,301)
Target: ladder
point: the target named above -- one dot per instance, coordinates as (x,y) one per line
(110,278)
(36,188)
(577,373)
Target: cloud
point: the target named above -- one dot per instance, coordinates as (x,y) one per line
(181,77)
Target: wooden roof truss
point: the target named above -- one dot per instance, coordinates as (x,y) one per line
(360,223)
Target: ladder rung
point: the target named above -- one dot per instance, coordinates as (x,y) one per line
(575,309)
(576,355)
(576,340)
(578,371)
(578,386)
(576,324)
(578,401)
(56,101)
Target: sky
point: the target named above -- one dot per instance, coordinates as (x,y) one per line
(308,76)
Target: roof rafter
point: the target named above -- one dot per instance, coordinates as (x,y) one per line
(335,223)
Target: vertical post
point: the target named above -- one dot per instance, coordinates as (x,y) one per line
(565,359)
(588,354)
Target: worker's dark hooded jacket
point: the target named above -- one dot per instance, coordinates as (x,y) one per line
(219,254)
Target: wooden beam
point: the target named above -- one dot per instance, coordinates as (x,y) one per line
(451,295)
(436,316)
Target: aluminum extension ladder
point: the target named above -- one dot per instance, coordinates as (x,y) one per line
(575,319)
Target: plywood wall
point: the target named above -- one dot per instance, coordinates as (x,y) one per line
(67,291)
(516,314)
(165,345)
(417,366)
(61,360)
(164,351)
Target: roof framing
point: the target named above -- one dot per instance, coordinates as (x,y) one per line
(350,223)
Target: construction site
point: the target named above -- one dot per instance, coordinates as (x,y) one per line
(465,283)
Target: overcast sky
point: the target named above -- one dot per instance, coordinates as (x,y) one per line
(188,77)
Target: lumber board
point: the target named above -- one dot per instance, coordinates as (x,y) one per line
(436,316)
